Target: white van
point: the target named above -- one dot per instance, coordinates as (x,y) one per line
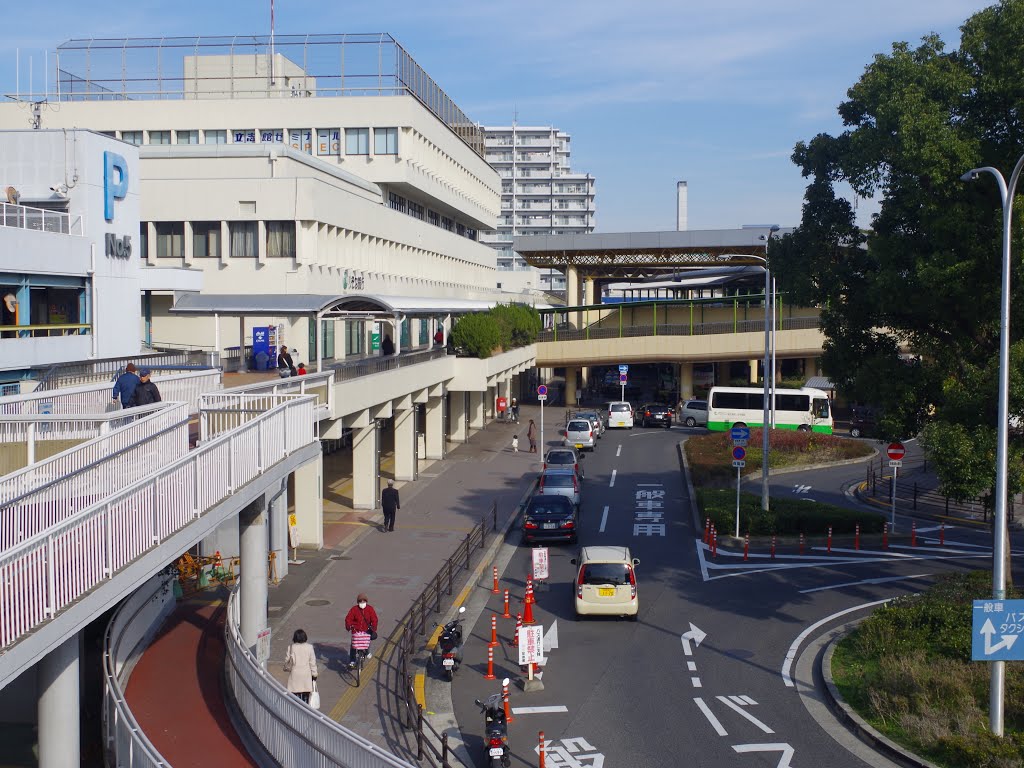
(620,414)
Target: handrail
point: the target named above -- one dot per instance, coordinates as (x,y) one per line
(39,219)
(675,329)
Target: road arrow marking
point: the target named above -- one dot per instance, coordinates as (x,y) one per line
(550,641)
(715,722)
(785,749)
(696,635)
(987,630)
(801,488)
(738,709)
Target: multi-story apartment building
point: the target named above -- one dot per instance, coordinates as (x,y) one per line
(540,195)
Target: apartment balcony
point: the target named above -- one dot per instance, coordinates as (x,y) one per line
(534,189)
(536,221)
(534,157)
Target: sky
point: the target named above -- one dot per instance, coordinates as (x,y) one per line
(651,91)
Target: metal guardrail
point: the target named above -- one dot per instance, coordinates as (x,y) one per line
(39,219)
(51,570)
(292,732)
(220,413)
(95,371)
(367,366)
(319,384)
(674,329)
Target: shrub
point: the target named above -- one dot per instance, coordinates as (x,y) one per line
(519,323)
(785,516)
(479,334)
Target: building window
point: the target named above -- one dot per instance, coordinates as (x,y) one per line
(143,240)
(355,337)
(187,137)
(215,137)
(281,239)
(447,224)
(170,239)
(159,137)
(206,239)
(244,239)
(434,218)
(357,141)
(416,210)
(328,141)
(132,137)
(272,135)
(397,202)
(385,141)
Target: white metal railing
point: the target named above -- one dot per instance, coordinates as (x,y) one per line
(320,384)
(292,732)
(39,219)
(48,572)
(96,398)
(130,630)
(55,489)
(35,428)
(96,371)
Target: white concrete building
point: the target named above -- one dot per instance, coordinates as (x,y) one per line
(540,195)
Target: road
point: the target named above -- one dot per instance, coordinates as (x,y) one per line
(619,693)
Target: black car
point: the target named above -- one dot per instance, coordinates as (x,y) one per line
(550,518)
(654,414)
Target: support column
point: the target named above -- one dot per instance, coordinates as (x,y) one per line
(309,502)
(242,368)
(435,428)
(570,386)
(364,467)
(254,543)
(490,411)
(810,367)
(685,381)
(405,443)
(753,371)
(277,510)
(459,417)
(572,294)
(58,708)
(476,410)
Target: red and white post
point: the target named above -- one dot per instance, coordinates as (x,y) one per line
(495,590)
(505,613)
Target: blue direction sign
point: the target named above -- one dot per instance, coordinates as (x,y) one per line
(739,453)
(997,626)
(623,369)
(739,433)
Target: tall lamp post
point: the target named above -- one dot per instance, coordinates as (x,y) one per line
(1006,192)
(769,310)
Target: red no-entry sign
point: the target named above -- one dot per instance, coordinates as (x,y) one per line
(896,451)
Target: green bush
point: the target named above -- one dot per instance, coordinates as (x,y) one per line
(785,517)
(478,334)
(519,324)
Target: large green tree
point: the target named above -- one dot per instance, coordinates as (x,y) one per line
(911,307)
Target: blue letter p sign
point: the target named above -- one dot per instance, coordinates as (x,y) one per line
(113,189)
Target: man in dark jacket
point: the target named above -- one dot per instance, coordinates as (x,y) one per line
(146,393)
(125,386)
(390,504)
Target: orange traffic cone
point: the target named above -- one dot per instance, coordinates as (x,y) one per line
(528,606)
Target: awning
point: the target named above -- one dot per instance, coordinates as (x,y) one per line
(328,305)
(819,382)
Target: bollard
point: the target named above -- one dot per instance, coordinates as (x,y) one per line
(856,537)
(746,546)
(773,547)
(707,530)
(913,534)
(714,543)
(494,631)
(801,542)
(508,712)
(528,606)
(519,623)
(830,539)
(885,535)
(495,590)
(942,534)
(504,613)
(540,749)
(490,664)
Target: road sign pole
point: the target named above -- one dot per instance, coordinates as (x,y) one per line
(892,525)
(542,430)
(623,395)
(738,471)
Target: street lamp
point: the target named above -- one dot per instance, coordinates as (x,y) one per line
(1006,192)
(769,313)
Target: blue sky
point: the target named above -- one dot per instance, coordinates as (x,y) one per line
(652,91)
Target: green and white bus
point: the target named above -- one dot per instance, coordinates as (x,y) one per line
(804,409)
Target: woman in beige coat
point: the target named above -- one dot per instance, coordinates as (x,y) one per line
(300,664)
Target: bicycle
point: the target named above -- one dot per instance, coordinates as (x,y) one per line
(360,661)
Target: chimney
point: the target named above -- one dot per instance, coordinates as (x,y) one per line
(681,223)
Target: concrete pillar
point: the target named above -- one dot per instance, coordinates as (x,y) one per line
(685,381)
(753,371)
(365,482)
(489,408)
(223,539)
(570,386)
(242,367)
(405,443)
(254,543)
(58,708)
(309,502)
(476,410)
(277,510)
(810,367)
(572,294)
(459,417)
(435,428)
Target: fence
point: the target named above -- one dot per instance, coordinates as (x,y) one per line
(319,384)
(368,366)
(91,372)
(565,333)
(220,413)
(46,573)
(39,219)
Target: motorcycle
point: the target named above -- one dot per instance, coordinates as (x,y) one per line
(495,730)
(449,645)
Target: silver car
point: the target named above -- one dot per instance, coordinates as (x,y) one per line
(694,413)
(579,434)
(560,482)
(594,418)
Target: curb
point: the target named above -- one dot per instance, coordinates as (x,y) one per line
(846,715)
(684,465)
(804,467)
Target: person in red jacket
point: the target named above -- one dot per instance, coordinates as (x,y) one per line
(361,621)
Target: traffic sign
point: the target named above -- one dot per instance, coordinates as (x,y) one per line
(896,451)
(622,378)
(542,398)
(739,453)
(739,463)
(623,369)
(739,433)
(542,390)
(997,626)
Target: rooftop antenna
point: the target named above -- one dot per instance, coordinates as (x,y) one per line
(272,42)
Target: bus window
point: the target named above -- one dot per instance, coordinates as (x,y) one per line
(820,409)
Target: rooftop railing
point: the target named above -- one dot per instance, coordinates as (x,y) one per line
(39,219)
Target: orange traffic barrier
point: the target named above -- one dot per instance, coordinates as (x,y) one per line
(504,613)
(540,749)
(490,664)
(494,631)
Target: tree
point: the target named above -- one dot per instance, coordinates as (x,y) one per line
(910,310)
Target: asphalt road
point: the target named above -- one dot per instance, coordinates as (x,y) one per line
(619,693)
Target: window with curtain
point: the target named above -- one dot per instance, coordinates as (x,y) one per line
(357,141)
(281,239)
(187,137)
(215,137)
(170,239)
(206,239)
(159,137)
(244,239)
(385,141)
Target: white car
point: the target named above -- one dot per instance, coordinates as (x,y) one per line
(606,582)
(620,414)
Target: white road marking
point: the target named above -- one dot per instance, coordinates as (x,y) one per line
(747,699)
(791,653)
(612,483)
(649,485)
(801,488)
(691,666)
(785,749)
(715,723)
(538,710)
(695,682)
(743,713)
(618,451)
(865,581)
(604,519)
(742,700)
(935,528)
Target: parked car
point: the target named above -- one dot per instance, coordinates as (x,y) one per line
(550,518)
(863,421)
(565,457)
(560,481)
(606,582)
(694,413)
(655,414)
(620,414)
(594,418)
(579,433)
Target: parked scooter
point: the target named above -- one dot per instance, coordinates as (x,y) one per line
(449,645)
(495,730)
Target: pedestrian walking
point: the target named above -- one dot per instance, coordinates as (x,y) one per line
(300,664)
(515,410)
(390,503)
(531,435)
(125,386)
(439,336)
(515,443)
(285,366)
(387,347)
(361,621)
(146,393)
